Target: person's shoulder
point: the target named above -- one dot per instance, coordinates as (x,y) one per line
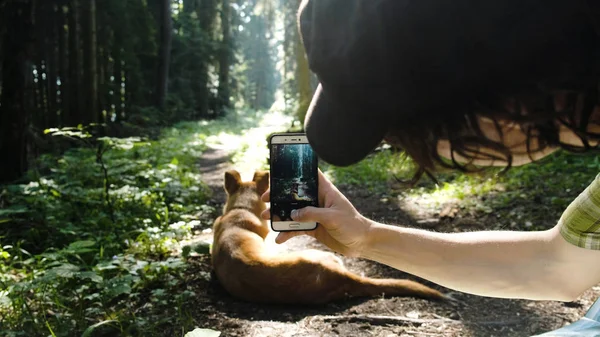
(595,185)
(580,222)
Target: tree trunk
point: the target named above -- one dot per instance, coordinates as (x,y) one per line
(192,61)
(102,87)
(43,53)
(75,77)
(90,63)
(302,77)
(16,87)
(289,60)
(189,6)
(224,59)
(39,118)
(205,11)
(118,97)
(104,38)
(166,31)
(52,67)
(63,45)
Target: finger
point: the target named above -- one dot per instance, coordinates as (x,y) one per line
(284,236)
(325,187)
(266,197)
(323,181)
(311,214)
(322,177)
(266,214)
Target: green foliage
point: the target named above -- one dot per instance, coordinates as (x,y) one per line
(90,244)
(536,193)
(375,173)
(88,332)
(94,232)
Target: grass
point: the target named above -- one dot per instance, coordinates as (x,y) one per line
(90,243)
(375,173)
(528,197)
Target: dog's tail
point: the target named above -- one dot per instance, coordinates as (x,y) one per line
(360,286)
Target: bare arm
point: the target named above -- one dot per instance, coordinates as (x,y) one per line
(532,265)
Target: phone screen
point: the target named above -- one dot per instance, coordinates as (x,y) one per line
(293,179)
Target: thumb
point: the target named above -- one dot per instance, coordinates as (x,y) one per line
(311,214)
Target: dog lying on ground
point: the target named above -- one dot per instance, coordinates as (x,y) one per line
(247,270)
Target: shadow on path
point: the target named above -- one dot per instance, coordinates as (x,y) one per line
(213,164)
(481,317)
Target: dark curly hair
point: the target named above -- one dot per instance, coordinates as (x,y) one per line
(555,56)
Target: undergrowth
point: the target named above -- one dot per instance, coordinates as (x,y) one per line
(90,242)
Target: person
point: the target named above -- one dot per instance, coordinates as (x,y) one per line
(459,84)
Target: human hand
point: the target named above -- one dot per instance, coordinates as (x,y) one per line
(341,227)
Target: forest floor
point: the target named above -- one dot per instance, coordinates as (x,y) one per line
(80,257)
(382,316)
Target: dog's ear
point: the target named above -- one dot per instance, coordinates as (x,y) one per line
(261,178)
(232,181)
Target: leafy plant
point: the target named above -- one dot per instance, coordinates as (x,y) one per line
(95,231)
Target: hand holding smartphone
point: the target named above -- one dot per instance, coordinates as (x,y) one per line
(294,180)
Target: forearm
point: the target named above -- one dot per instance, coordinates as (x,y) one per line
(498,264)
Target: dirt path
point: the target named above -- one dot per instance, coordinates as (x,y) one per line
(388,317)
(213,164)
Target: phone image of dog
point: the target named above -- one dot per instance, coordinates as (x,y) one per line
(249,271)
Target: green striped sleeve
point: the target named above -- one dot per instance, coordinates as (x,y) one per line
(580,223)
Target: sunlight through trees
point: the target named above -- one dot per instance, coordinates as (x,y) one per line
(115,66)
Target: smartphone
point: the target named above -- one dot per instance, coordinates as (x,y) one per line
(294,180)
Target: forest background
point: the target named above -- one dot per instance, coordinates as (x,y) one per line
(115,119)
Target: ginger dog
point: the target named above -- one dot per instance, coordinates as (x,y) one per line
(248,271)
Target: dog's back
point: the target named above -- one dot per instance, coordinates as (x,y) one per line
(247,270)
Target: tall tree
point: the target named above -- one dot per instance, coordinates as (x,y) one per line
(43,64)
(164,57)
(288,10)
(256,72)
(224,59)
(63,45)
(90,62)
(115,88)
(76,110)
(52,65)
(206,13)
(302,75)
(16,87)
(138,34)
